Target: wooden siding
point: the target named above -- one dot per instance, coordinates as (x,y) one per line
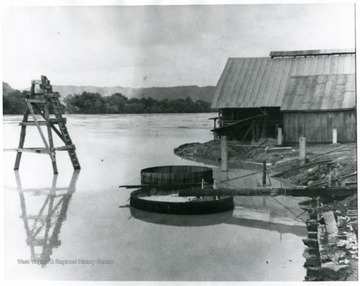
(317,126)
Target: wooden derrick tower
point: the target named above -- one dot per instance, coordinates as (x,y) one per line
(45,103)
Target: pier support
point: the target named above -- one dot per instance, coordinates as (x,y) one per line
(224,153)
(302,149)
(279,137)
(334,136)
(264,174)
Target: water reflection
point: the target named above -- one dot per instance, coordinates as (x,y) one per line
(43,229)
(281,213)
(244,214)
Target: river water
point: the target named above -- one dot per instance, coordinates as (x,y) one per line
(81,221)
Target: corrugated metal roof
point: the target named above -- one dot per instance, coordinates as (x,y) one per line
(261,82)
(319,92)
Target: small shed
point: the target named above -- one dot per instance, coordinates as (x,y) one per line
(314,105)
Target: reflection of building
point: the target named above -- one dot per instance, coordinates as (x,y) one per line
(43,229)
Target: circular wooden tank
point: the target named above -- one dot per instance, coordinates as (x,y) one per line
(176,175)
(196,206)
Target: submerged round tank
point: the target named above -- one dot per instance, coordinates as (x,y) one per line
(176,175)
(154,200)
(164,183)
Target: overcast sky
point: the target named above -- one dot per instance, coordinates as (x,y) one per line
(159,45)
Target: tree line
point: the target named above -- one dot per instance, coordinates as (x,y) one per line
(95,103)
(13,100)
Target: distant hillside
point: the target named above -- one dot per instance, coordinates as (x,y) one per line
(178,92)
(65,90)
(7,89)
(117,100)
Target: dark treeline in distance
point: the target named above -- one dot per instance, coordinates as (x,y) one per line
(205,93)
(13,100)
(94,103)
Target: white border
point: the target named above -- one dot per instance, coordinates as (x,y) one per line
(138,3)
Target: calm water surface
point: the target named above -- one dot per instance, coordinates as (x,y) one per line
(75,220)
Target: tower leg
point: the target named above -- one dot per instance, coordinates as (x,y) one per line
(22,140)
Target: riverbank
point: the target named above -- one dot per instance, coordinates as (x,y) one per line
(326,164)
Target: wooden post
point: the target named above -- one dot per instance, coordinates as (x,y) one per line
(302,149)
(264,174)
(224,154)
(214,132)
(334,136)
(279,137)
(330,178)
(22,140)
(264,129)
(224,179)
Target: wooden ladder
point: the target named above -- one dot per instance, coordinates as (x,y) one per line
(45,102)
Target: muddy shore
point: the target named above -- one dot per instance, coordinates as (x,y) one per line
(322,161)
(326,165)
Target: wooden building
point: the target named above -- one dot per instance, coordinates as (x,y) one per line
(315,105)
(250,91)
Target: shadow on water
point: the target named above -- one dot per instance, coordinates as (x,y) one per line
(43,229)
(226,217)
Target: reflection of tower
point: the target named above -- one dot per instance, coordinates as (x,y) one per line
(43,229)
